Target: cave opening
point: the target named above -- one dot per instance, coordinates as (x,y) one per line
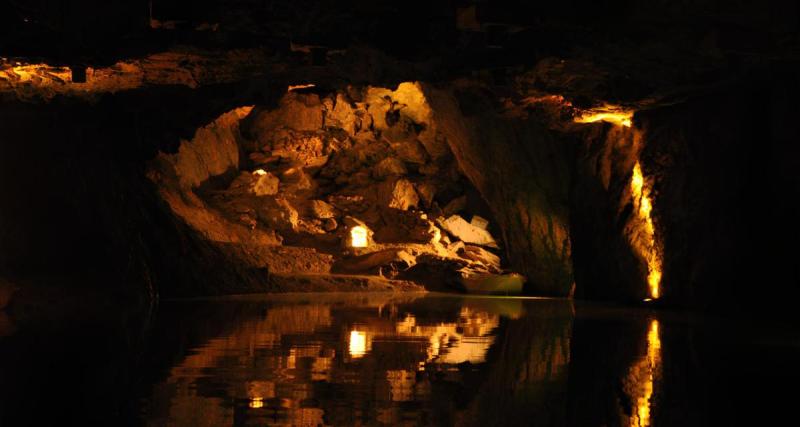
(268,212)
(350,186)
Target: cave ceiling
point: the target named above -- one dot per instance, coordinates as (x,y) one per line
(591,53)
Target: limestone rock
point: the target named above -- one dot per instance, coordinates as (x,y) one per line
(212,152)
(399,194)
(379,102)
(265,183)
(435,143)
(407,227)
(429,169)
(322,210)
(330,224)
(386,262)
(279,215)
(261,159)
(305,149)
(455,247)
(455,206)
(389,166)
(297,179)
(479,222)
(426,191)
(301,112)
(403,140)
(342,115)
(411,151)
(478,254)
(466,232)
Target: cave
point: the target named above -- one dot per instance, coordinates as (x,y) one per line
(370,213)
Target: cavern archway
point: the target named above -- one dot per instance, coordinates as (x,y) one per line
(337,190)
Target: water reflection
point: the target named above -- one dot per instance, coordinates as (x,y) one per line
(641,379)
(392,359)
(348,360)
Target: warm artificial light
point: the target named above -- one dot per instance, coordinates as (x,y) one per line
(358,237)
(358,344)
(302,86)
(644,206)
(607,113)
(256,402)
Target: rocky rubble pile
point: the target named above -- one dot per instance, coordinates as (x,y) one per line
(316,164)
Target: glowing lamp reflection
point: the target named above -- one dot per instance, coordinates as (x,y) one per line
(256,402)
(358,237)
(647,370)
(358,344)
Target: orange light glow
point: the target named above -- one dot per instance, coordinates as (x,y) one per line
(643,376)
(301,86)
(358,237)
(643,206)
(358,344)
(256,402)
(607,113)
(39,73)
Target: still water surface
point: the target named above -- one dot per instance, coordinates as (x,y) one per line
(407,359)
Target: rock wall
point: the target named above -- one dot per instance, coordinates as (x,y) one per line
(524,172)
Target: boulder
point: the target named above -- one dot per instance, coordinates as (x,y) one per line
(398,194)
(301,112)
(304,149)
(479,222)
(264,184)
(296,178)
(279,214)
(342,115)
(478,254)
(411,152)
(426,191)
(390,166)
(466,232)
(322,210)
(407,227)
(387,262)
(330,224)
(455,206)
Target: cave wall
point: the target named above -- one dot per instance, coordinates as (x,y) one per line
(77,203)
(523,171)
(722,167)
(606,266)
(725,168)
(721,170)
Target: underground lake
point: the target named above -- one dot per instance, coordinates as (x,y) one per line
(360,212)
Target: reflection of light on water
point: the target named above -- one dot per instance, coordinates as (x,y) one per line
(401,384)
(256,402)
(642,377)
(358,343)
(647,248)
(466,340)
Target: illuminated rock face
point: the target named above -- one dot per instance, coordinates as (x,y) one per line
(523,171)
